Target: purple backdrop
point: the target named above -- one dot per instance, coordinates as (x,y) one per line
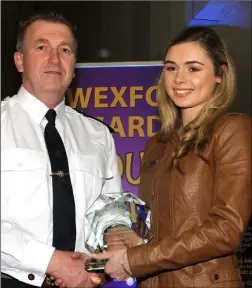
(123,96)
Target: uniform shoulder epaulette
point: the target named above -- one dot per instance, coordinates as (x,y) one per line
(111,130)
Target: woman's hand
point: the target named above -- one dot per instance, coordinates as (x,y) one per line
(117,259)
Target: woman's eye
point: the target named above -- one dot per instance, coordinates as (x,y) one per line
(192,69)
(170,68)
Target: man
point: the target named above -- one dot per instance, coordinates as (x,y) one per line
(46,53)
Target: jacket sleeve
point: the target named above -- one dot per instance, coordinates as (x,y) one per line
(220,234)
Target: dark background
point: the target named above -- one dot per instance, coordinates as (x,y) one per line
(137,31)
(129,31)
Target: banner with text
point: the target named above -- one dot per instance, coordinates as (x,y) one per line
(123,97)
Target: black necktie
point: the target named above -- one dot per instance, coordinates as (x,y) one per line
(64,228)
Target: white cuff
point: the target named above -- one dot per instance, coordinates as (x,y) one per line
(37,256)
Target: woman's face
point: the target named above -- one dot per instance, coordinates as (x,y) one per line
(189,76)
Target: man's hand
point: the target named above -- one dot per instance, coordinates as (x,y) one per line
(121,237)
(68,270)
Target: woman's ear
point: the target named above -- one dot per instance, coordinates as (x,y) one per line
(18,59)
(223,70)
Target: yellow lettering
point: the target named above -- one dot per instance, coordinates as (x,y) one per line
(150,120)
(136,123)
(120,165)
(129,166)
(116,124)
(118,96)
(133,213)
(134,96)
(99,97)
(84,99)
(149,94)
(100,118)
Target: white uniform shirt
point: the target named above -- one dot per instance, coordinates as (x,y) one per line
(26,184)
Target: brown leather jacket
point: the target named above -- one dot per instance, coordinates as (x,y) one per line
(199,217)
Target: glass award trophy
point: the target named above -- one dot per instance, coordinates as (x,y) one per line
(111,210)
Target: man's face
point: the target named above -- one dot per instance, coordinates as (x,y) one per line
(47,58)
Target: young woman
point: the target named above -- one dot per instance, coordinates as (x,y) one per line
(196,173)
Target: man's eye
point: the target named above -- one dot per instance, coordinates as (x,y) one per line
(41,47)
(66,50)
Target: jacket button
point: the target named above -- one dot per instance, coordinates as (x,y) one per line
(31,276)
(216,276)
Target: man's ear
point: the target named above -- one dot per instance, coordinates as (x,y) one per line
(18,59)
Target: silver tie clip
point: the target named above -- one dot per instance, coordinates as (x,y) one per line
(59,173)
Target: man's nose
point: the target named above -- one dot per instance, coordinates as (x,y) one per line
(54,56)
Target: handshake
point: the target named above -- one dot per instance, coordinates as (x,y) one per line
(114,223)
(67,269)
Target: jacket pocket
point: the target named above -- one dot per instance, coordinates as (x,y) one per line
(220,279)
